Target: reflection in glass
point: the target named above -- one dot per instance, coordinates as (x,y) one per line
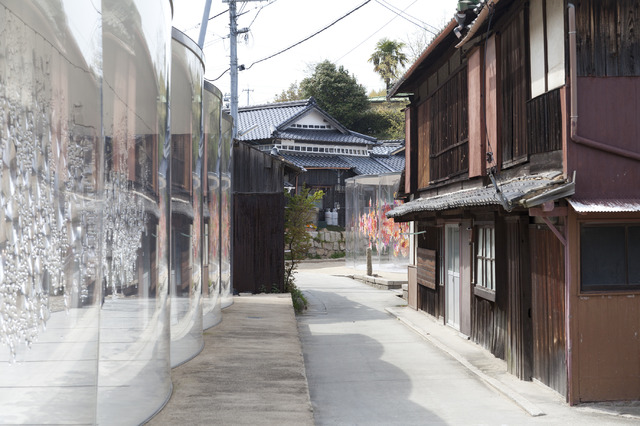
(50,215)
(187,72)
(369,198)
(225,221)
(134,369)
(212,104)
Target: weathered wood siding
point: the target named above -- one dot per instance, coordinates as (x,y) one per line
(544,123)
(607,36)
(514,83)
(258,241)
(430,300)
(256,171)
(449,128)
(547,274)
(258,220)
(519,345)
(488,326)
(423,145)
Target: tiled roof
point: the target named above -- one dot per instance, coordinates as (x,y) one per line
(360,165)
(324,161)
(393,162)
(267,118)
(334,136)
(516,191)
(365,165)
(273,121)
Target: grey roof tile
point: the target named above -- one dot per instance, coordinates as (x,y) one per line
(514,191)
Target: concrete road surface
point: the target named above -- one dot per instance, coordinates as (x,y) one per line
(365,367)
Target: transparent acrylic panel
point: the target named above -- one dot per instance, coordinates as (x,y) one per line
(50,211)
(351,217)
(225,216)
(211,306)
(135,375)
(187,72)
(369,198)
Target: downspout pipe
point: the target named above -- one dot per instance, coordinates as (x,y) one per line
(573,72)
(573,75)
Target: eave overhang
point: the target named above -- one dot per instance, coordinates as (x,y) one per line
(521,192)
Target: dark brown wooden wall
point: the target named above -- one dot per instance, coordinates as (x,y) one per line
(544,123)
(547,274)
(514,85)
(488,326)
(608,40)
(519,345)
(258,220)
(258,241)
(431,300)
(256,171)
(448,129)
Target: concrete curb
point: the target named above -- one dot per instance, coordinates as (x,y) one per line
(529,407)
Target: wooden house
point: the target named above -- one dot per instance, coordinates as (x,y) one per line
(522,180)
(303,134)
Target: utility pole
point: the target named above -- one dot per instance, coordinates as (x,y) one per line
(233,65)
(205,21)
(248,92)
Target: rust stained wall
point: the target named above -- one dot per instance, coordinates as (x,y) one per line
(476,116)
(605,334)
(608,112)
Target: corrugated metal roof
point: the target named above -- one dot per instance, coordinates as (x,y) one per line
(601,205)
(516,191)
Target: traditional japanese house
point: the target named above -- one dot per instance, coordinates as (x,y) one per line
(521,180)
(303,134)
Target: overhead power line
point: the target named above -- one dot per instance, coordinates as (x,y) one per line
(409,18)
(298,43)
(311,36)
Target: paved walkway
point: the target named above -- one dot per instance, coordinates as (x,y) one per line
(251,371)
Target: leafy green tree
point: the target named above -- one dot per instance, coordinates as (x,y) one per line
(290,94)
(337,92)
(299,212)
(388,59)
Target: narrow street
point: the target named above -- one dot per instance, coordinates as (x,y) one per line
(365,367)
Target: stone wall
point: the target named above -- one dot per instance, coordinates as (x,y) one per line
(326,243)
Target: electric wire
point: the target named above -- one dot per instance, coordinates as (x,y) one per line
(296,44)
(311,36)
(374,33)
(402,15)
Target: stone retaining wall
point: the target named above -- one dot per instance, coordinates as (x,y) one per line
(326,243)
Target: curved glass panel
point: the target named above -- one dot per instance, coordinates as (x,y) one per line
(135,375)
(211,109)
(187,71)
(226,147)
(369,198)
(50,210)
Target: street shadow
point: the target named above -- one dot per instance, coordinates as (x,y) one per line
(349,381)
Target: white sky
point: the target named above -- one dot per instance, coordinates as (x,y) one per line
(277,24)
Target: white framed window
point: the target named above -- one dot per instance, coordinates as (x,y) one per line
(486,258)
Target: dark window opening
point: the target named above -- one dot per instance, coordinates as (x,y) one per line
(609,257)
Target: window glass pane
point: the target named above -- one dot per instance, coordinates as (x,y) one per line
(602,255)
(480,241)
(633,243)
(480,279)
